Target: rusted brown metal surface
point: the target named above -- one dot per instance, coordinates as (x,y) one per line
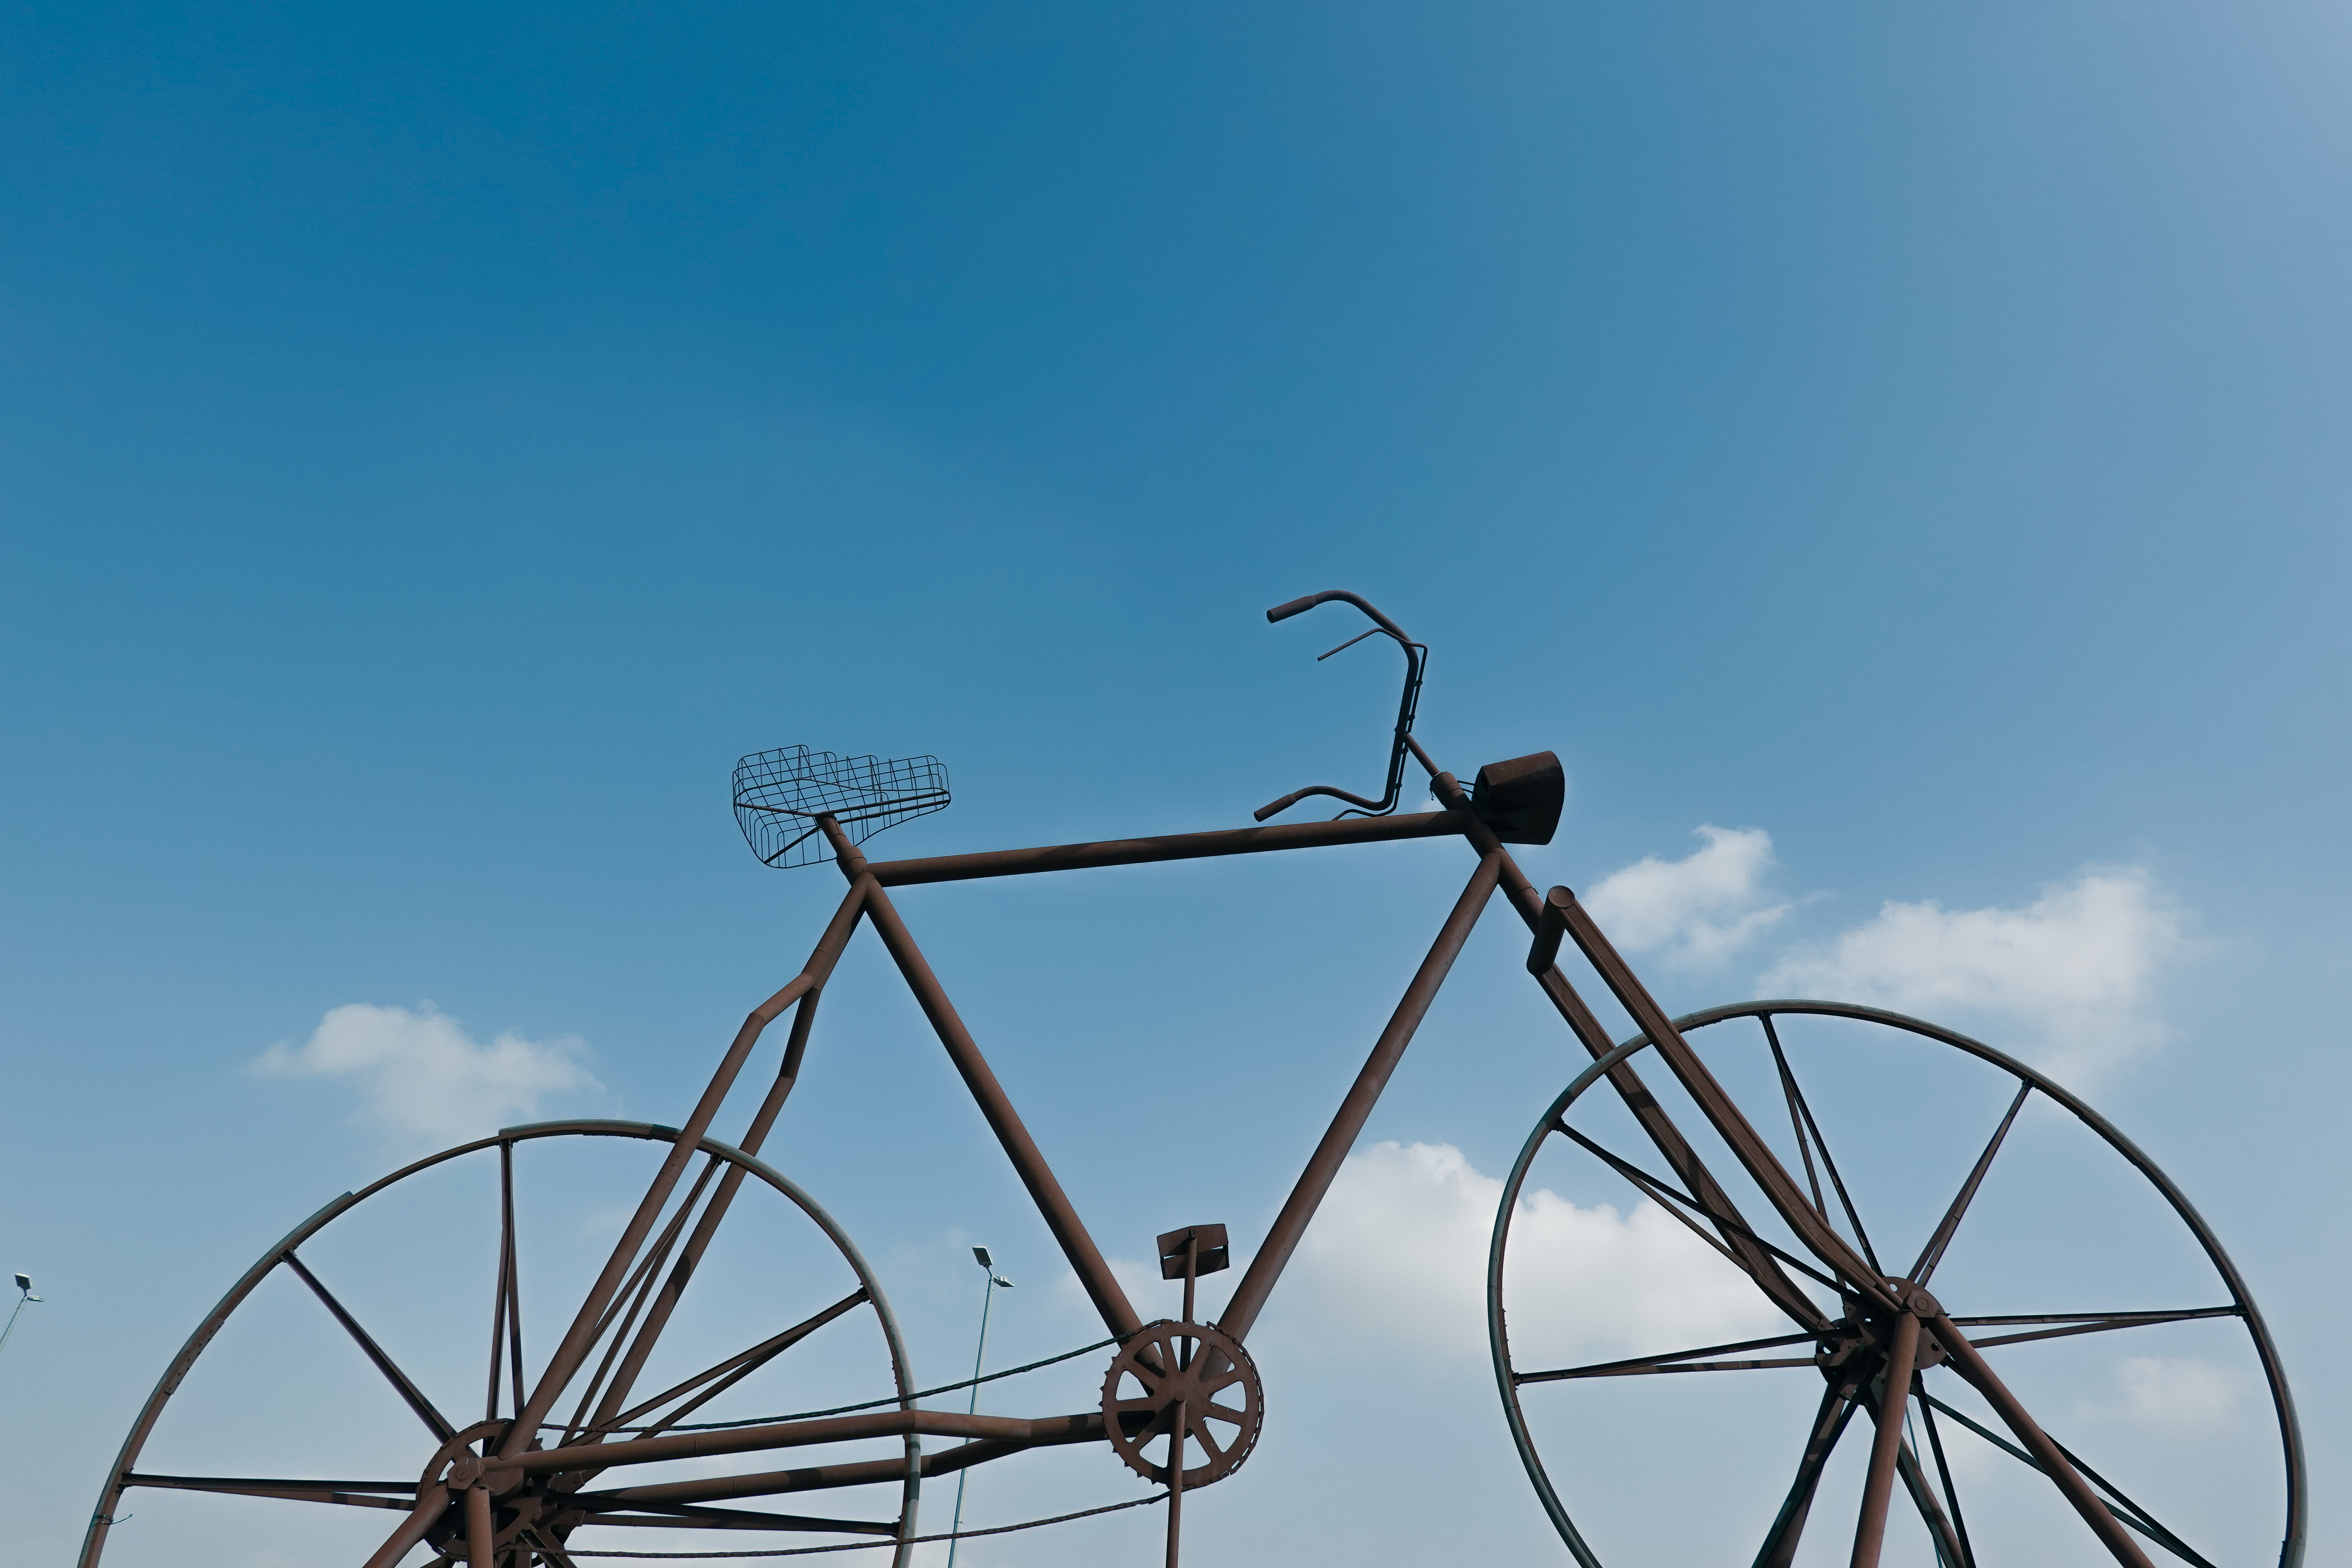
(513,1490)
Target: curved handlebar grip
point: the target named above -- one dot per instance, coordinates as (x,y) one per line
(1300,606)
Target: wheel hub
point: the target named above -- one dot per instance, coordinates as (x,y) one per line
(1858,1342)
(516,1501)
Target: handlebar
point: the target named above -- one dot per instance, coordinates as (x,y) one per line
(1416,661)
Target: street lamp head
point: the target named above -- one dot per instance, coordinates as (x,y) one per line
(980,1256)
(25,1283)
(1002,1282)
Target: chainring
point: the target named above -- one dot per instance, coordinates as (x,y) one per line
(1167,1366)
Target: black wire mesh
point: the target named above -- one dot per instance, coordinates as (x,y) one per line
(780,794)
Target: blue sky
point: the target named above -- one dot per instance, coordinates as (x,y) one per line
(436,443)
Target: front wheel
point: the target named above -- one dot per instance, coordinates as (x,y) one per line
(1692,1374)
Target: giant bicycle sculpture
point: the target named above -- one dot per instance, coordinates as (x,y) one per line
(573,1456)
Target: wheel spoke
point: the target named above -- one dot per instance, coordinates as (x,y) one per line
(2086,1323)
(1796,1118)
(1759,1364)
(698,1516)
(1651,1188)
(514,1271)
(1837,1408)
(434,1420)
(733,1369)
(506,1302)
(1915,1482)
(1829,1161)
(1971,1366)
(1931,1514)
(1944,1470)
(1989,1320)
(1658,1363)
(2129,1512)
(1933,1253)
(1676,1149)
(1670,1200)
(2132,1513)
(1220,1413)
(401,1495)
(638,1291)
(498,1335)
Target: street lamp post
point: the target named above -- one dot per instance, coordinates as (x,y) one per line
(24,1294)
(987,1294)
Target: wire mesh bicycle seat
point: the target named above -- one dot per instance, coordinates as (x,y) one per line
(780,794)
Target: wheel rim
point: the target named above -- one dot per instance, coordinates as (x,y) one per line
(718,1158)
(1769,1016)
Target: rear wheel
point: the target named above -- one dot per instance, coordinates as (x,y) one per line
(373,1359)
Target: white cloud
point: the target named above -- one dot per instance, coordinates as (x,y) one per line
(2180,1393)
(424,1077)
(1699,908)
(2074,967)
(1397,1253)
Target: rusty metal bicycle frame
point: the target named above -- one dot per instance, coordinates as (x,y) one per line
(1552,919)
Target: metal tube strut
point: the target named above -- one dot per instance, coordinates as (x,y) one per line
(1878,1485)
(1168,846)
(1746,1146)
(706,1227)
(1053,1204)
(1668,1139)
(1274,1253)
